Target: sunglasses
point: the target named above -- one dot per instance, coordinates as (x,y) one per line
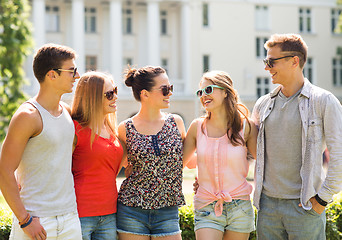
(110,94)
(74,71)
(207,90)
(166,89)
(270,62)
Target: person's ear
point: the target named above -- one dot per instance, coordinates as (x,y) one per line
(144,93)
(295,61)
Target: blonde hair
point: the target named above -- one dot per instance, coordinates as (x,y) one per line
(87,106)
(236,111)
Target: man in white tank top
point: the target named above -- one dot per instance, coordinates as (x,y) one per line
(35,162)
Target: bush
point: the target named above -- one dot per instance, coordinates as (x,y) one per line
(5,223)
(186,222)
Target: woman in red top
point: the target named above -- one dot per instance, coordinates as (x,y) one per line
(97,155)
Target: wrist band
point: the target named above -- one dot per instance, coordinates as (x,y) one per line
(321,201)
(28,223)
(25,219)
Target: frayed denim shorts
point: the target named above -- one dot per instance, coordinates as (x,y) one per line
(237,216)
(148,222)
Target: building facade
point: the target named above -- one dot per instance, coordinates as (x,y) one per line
(188,37)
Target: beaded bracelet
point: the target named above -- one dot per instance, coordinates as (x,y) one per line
(26,224)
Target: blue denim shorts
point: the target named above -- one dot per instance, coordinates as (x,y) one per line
(237,216)
(148,222)
(99,227)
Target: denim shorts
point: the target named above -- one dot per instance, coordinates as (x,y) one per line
(99,227)
(148,222)
(237,216)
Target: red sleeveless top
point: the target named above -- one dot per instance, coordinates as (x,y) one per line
(95,170)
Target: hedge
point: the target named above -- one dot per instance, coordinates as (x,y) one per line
(186,221)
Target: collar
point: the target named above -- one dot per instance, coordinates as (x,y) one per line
(305,90)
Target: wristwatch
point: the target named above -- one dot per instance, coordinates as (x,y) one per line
(321,201)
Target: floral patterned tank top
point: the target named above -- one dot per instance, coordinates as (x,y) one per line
(156,180)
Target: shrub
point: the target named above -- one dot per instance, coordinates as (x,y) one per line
(5,223)
(186,222)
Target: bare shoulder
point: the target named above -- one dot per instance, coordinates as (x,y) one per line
(122,131)
(178,119)
(66,106)
(26,120)
(193,127)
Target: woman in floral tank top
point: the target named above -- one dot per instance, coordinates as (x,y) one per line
(149,198)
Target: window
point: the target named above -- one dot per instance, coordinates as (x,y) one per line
(128,62)
(165,64)
(91,63)
(263,86)
(90,20)
(52,19)
(335,16)
(305,20)
(337,72)
(308,69)
(261,18)
(261,51)
(205,14)
(127,21)
(206,63)
(163,22)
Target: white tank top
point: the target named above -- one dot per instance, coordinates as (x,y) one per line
(44,173)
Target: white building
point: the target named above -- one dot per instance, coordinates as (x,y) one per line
(188,37)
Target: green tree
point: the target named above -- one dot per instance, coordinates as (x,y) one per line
(15,45)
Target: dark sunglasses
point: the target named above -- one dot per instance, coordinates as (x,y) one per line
(74,71)
(207,90)
(166,89)
(270,62)
(110,94)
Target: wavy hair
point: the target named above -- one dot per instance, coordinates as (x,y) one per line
(87,106)
(236,111)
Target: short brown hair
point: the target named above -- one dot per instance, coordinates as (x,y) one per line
(292,43)
(50,56)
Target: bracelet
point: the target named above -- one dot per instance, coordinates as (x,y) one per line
(321,201)
(26,219)
(26,224)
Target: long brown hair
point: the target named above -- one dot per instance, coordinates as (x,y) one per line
(236,111)
(87,106)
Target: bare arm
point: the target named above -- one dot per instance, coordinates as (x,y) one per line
(190,143)
(122,139)
(251,133)
(26,123)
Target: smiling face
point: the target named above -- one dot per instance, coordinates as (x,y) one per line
(215,99)
(156,93)
(109,105)
(281,71)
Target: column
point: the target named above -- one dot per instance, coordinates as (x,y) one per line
(78,35)
(186,46)
(153,32)
(115,43)
(38,10)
